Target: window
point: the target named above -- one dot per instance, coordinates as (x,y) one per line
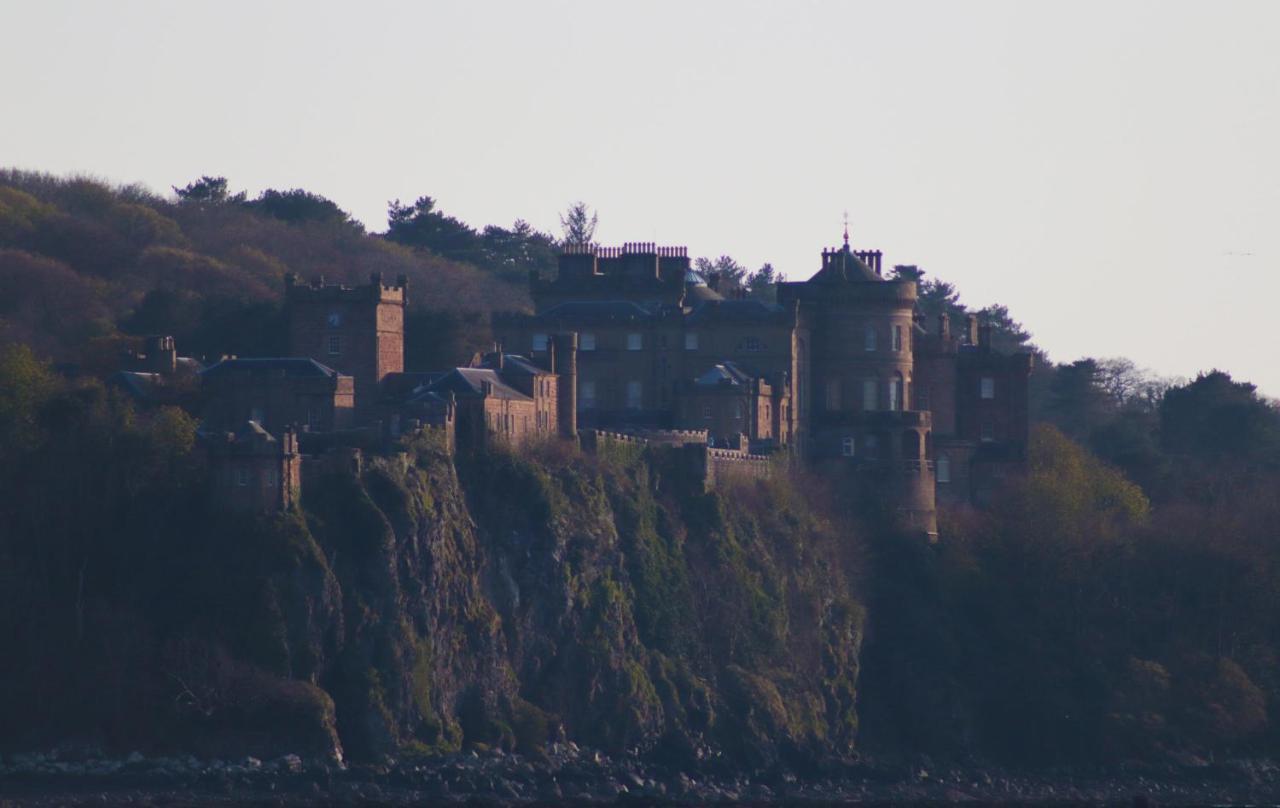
(848,447)
(335,319)
(539,342)
(922,398)
(587,395)
(269,478)
(833,395)
(586,341)
(313,417)
(635,395)
(988,433)
(335,345)
(988,385)
(897,338)
(751,344)
(869,338)
(739,411)
(242,477)
(894,386)
(944,468)
(872,444)
(706,411)
(869,397)
(635,341)
(691,341)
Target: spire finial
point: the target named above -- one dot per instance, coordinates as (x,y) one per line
(846,229)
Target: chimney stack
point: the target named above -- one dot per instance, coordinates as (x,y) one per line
(944,325)
(971,329)
(564,349)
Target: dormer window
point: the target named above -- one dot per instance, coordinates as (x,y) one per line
(691,341)
(751,344)
(335,345)
(988,387)
(335,319)
(635,341)
(539,342)
(586,341)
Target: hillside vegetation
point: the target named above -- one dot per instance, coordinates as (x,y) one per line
(84,267)
(1121,602)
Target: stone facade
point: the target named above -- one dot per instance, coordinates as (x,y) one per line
(252,471)
(277,394)
(838,369)
(358,331)
(838,372)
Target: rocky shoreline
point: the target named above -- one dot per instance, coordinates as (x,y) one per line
(569,774)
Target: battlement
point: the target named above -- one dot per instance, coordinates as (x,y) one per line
(319,291)
(627,248)
(707,463)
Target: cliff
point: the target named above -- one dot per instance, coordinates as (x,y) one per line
(413,606)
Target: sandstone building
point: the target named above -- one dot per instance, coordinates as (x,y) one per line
(629,343)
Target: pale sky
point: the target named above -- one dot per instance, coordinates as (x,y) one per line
(1108,170)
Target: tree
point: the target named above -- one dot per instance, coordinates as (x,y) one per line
(516,251)
(1007,334)
(763,283)
(578,225)
(297,206)
(722,273)
(207,190)
(421,225)
(1218,417)
(1077,403)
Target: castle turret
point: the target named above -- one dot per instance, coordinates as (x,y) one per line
(358,331)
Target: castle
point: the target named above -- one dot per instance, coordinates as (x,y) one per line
(630,344)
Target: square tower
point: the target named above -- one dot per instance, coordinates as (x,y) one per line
(358,331)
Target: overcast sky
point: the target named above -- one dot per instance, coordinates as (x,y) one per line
(1108,170)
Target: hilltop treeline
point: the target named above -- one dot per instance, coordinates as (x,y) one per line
(84,267)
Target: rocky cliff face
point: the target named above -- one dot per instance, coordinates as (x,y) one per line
(512,601)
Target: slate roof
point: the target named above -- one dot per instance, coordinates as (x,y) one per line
(140,385)
(845,266)
(295,367)
(521,364)
(724,373)
(598,311)
(466,382)
(744,311)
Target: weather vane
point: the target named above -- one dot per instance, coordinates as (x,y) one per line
(846,228)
